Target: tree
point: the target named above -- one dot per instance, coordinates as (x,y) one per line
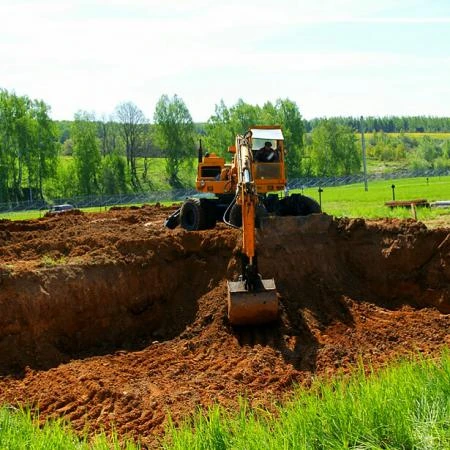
(46,145)
(225,124)
(113,174)
(219,135)
(243,116)
(286,113)
(28,150)
(108,134)
(132,122)
(333,150)
(86,152)
(174,133)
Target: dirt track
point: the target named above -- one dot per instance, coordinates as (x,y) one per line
(108,319)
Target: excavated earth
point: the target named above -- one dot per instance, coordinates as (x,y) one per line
(110,320)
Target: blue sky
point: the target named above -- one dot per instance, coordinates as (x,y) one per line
(342,57)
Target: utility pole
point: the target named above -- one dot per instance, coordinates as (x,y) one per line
(363,144)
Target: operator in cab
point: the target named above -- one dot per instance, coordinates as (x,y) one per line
(267,153)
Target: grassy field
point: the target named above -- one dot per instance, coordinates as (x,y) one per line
(403,406)
(418,136)
(156,172)
(353,201)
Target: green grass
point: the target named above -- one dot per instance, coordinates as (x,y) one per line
(156,172)
(404,406)
(50,261)
(19,429)
(22,215)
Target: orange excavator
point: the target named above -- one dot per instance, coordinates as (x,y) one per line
(251,299)
(241,194)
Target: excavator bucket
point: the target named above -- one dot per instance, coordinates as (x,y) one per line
(252,307)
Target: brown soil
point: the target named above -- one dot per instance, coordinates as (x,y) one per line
(111,320)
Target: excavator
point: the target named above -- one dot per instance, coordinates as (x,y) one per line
(242,194)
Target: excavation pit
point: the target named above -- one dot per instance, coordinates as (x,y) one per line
(111,320)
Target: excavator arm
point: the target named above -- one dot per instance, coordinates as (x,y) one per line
(251,300)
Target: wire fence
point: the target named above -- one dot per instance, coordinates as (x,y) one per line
(174,195)
(311,182)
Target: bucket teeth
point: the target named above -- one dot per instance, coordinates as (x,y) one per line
(252,307)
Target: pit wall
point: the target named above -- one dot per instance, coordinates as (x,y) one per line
(50,315)
(387,262)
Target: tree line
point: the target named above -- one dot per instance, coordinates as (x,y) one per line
(390,124)
(114,154)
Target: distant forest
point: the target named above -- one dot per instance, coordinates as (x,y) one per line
(387,124)
(126,152)
(390,124)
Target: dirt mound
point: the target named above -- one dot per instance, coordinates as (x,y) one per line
(140,311)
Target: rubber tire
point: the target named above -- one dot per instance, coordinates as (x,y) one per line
(300,205)
(283,207)
(270,202)
(236,215)
(260,214)
(210,213)
(192,215)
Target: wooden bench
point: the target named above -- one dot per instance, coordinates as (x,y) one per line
(408,203)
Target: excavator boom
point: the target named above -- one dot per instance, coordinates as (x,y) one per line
(251,300)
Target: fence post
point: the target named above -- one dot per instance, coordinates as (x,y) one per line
(363,144)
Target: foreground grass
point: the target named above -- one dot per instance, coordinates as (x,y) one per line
(405,406)
(20,430)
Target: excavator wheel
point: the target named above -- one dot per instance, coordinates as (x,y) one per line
(197,214)
(210,212)
(192,215)
(270,202)
(300,205)
(236,215)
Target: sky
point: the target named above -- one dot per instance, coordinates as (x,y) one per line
(332,57)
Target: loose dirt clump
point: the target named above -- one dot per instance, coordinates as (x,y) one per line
(110,320)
